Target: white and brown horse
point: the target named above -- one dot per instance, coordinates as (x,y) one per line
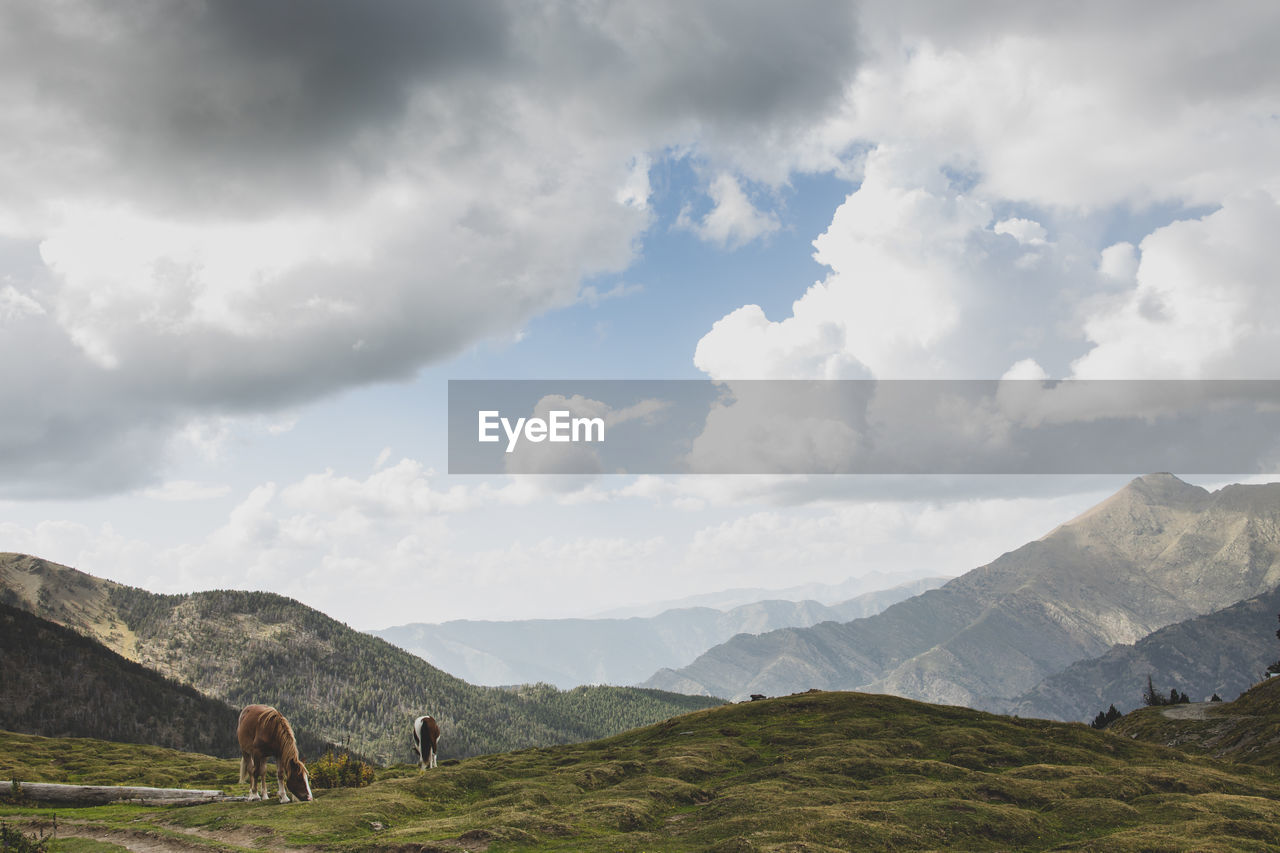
(264,733)
(426,734)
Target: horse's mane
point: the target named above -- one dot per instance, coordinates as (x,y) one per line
(273,721)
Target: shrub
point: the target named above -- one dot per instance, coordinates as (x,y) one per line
(13,841)
(339,771)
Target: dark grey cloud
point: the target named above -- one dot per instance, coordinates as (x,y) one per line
(220,207)
(218,103)
(235,105)
(723,61)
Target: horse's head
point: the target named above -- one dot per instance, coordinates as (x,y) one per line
(298,781)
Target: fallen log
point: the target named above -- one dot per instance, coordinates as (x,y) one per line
(96,795)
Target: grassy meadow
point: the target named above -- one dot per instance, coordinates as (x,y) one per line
(812,772)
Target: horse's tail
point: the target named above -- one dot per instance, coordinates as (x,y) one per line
(244,768)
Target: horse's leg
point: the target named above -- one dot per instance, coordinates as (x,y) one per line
(246,772)
(433,757)
(281,788)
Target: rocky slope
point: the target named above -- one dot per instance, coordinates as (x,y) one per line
(1223,653)
(1157,552)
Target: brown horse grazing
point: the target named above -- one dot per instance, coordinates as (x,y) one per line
(264,733)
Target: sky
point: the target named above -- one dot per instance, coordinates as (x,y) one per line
(245,245)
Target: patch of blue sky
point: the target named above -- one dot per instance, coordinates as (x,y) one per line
(647,319)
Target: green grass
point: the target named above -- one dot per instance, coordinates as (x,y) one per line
(84,761)
(814,772)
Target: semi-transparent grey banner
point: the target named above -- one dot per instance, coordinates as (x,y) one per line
(863,427)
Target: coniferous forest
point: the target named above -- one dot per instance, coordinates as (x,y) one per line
(57,683)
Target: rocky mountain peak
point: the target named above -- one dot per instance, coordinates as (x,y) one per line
(1145,504)
(1164,489)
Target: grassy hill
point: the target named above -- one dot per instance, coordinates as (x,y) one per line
(813,772)
(88,761)
(1245,731)
(334,683)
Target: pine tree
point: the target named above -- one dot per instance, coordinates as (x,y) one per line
(1106,718)
(1150,696)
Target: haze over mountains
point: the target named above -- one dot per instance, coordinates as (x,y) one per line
(569,652)
(823,593)
(1158,552)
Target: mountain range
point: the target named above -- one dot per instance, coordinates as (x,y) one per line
(569,652)
(1158,552)
(1163,579)
(334,683)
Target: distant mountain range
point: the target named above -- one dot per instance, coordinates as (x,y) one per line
(824,593)
(569,652)
(1158,552)
(334,683)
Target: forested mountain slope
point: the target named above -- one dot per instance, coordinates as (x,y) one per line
(337,683)
(57,683)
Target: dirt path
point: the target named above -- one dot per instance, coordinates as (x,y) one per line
(140,841)
(135,841)
(1192,711)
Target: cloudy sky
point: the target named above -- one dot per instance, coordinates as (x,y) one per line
(244,245)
